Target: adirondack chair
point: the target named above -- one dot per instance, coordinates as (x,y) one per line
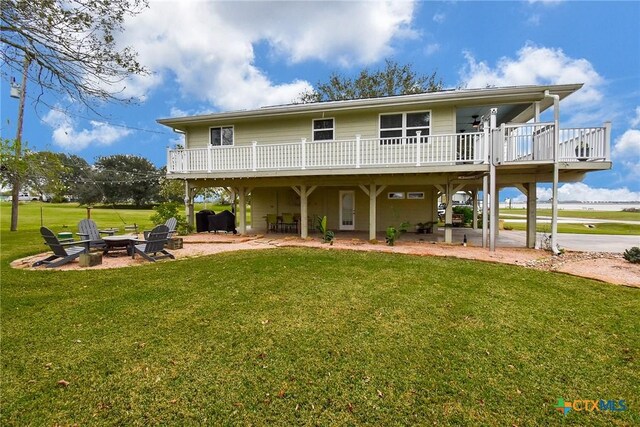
(88,230)
(171,223)
(62,252)
(153,245)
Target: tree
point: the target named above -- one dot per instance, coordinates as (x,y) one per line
(394,79)
(38,171)
(76,176)
(127,178)
(66,47)
(171,190)
(71,46)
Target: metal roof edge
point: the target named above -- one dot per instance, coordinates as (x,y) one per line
(390,101)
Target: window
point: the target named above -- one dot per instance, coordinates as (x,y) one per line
(221,135)
(323,129)
(404,124)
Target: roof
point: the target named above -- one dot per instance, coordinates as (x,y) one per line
(459,97)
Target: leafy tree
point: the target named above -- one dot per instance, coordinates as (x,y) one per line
(36,171)
(70,45)
(394,79)
(127,178)
(77,175)
(171,190)
(69,48)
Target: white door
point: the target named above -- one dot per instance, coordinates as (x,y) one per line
(347,210)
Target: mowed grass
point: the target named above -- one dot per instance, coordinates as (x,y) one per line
(598,228)
(311,337)
(617,215)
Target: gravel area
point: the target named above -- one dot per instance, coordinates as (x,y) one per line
(607,267)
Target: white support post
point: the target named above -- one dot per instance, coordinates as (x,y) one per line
(254,155)
(304,226)
(418,147)
(607,141)
(243,210)
(475,209)
(531,214)
(485,209)
(304,194)
(303,153)
(188,202)
(448,216)
(358,143)
(493,190)
(209,158)
(373,194)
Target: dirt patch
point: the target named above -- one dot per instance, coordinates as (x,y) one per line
(611,268)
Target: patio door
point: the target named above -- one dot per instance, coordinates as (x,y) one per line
(347,210)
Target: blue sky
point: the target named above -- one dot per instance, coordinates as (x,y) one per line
(221,56)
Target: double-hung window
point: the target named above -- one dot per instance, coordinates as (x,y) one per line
(323,130)
(394,128)
(221,136)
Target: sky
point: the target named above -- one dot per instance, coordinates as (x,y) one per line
(210,57)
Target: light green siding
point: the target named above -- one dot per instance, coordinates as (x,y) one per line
(292,129)
(325,201)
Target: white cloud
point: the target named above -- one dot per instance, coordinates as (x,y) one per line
(537,66)
(626,151)
(208,47)
(628,145)
(439,18)
(67,136)
(635,122)
(581,192)
(431,48)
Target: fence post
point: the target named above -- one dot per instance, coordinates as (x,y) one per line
(418,145)
(209,160)
(303,152)
(358,150)
(254,155)
(607,141)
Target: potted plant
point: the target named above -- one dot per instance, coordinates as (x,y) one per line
(582,151)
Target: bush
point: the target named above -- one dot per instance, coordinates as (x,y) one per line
(466,211)
(632,255)
(167,210)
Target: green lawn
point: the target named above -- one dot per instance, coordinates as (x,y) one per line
(301,336)
(617,215)
(600,228)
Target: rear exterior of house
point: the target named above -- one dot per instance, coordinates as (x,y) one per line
(373,163)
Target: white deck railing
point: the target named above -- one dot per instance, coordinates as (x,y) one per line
(534,142)
(355,153)
(521,142)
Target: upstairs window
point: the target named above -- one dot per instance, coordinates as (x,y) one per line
(221,136)
(323,129)
(405,124)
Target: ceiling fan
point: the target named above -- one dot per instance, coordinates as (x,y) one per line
(476,121)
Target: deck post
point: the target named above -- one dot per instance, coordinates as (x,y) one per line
(254,155)
(448,216)
(493,190)
(531,214)
(373,196)
(243,210)
(607,141)
(304,223)
(418,146)
(358,144)
(303,153)
(475,209)
(485,209)
(188,203)
(556,172)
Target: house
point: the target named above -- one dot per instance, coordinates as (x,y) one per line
(371,163)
